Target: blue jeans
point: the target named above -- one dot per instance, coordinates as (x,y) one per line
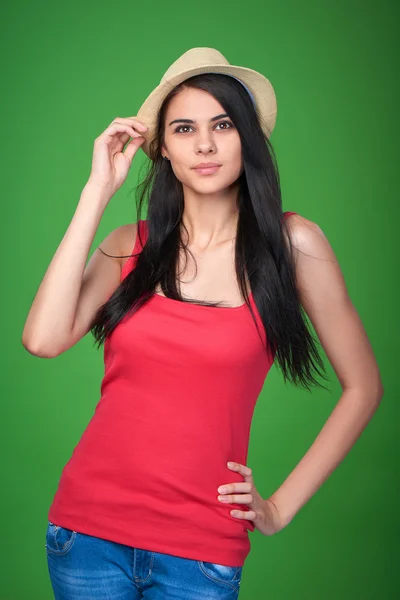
(86,567)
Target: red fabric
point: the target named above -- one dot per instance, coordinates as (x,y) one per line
(179,389)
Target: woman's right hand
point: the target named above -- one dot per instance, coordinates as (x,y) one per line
(110,165)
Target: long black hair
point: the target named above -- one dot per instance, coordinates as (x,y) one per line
(263,247)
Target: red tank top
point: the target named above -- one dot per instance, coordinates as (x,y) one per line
(177,398)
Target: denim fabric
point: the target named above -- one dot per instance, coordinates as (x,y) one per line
(86,567)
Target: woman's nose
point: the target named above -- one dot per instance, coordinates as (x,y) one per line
(205,143)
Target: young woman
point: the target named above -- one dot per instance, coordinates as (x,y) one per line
(193,304)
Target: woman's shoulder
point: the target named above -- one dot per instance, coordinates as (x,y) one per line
(298,223)
(298,226)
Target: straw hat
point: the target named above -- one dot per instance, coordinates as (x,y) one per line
(208,60)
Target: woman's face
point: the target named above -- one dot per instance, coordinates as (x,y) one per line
(204,139)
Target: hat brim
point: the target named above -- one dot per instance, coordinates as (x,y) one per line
(259,85)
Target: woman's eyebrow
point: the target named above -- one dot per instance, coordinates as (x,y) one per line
(190,120)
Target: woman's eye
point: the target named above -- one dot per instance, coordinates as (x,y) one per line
(179,129)
(225,123)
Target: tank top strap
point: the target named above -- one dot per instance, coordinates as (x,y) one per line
(142,229)
(130,263)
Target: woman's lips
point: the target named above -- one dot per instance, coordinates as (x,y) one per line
(206,170)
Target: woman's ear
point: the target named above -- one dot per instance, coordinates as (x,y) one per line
(164,152)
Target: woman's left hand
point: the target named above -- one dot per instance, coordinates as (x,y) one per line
(263,513)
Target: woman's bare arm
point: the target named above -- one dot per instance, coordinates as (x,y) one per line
(325,298)
(50,323)
(70,293)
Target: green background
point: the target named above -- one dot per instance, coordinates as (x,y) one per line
(68,70)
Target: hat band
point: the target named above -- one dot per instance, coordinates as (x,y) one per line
(240,81)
